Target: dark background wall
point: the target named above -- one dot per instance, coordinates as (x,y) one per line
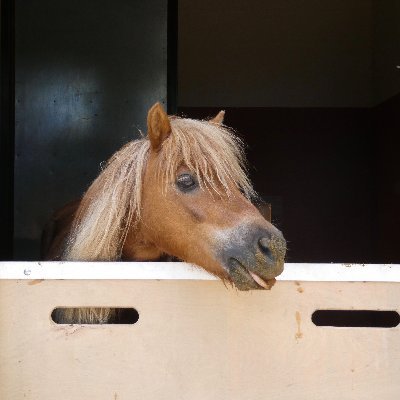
(386,128)
(275,53)
(312,88)
(6,128)
(86,72)
(386,228)
(386,50)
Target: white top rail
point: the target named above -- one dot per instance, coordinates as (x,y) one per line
(183,271)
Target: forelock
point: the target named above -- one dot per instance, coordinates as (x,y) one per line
(212,151)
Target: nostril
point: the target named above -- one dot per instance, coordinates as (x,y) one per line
(264,244)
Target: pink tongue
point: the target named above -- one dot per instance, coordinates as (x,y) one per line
(260,281)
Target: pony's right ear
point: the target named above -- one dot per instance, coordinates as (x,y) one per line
(158,126)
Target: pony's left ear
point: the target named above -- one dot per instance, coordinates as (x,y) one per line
(219,118)
(158,126)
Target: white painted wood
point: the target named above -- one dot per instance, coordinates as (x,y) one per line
(184,271)
(196,340)
(102,270)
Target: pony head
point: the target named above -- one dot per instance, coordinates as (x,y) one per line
(182,191)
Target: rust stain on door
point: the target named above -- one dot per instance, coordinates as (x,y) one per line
(299,333)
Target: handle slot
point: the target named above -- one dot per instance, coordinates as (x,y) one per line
(356,318)
(95,315)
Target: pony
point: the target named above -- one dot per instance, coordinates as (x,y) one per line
(181,191)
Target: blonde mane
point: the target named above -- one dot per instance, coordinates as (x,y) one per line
(112,204)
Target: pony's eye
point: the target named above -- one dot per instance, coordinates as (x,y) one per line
(186,182)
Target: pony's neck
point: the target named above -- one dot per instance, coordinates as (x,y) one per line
(137,248)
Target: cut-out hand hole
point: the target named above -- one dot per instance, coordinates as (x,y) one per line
(356,318)
(94,316)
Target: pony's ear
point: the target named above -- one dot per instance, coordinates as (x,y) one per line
(158,126)
(219,118)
